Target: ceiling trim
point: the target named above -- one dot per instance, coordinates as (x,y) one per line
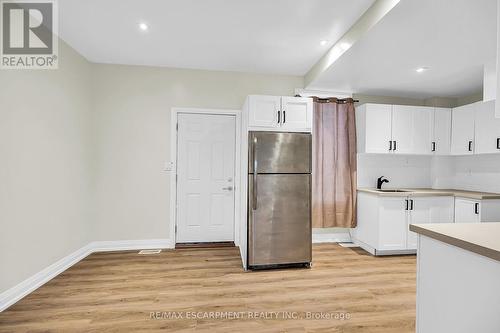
(369,19)
(322,93)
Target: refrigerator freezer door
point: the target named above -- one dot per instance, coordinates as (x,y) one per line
(280,226)
(280,152)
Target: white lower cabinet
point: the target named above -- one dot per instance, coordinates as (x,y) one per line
(392,224)
(428,210)
(467,211)
(383,222)
(475,211)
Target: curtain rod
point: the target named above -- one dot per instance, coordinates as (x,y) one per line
(338,100)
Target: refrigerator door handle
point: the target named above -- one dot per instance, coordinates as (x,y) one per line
(254,148)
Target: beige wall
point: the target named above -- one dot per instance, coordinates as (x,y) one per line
(44,175)
(83,148)
(132,129)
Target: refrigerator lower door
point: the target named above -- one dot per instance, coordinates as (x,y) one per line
(279,219)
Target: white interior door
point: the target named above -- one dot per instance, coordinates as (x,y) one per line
(205,178)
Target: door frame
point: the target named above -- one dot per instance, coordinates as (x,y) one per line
(175,111)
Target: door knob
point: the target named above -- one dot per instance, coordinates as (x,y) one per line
(229,188)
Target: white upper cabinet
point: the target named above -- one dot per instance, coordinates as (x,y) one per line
(487,129)
(419,130)
(462,138)
(374,126)
(296,113)
(396,129)
(263,111)
(441,143)
(277,113)
(412,129)
(402,129)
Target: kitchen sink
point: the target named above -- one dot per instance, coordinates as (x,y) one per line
(392,191)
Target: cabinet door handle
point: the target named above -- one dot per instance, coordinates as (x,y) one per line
(470,145)
(279,117)
(433,145)
(476,208)
(390,145)
(406,204)
(411,206)
(284,116)
(395,146)
(498,143)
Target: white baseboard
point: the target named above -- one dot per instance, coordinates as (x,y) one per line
(14,294)
(145,244)
(331,238)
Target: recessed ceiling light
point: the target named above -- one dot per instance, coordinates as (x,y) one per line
(421,69)
(143,26)
(323,42)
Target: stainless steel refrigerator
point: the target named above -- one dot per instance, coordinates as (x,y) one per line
(279,199)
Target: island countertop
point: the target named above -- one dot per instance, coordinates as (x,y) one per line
(480,238)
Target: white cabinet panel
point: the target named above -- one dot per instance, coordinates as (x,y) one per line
(393,224)
(263,111)
(442,131)
(297,113)
(374,128)
(462,135)
(412,129)
(428,210)
(277,113)
(467,211)
(487,129)
(422,130)
(402,129)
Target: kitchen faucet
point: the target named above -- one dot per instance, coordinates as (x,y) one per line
(380,181)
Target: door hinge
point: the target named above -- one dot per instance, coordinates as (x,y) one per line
(175,229)
(177,127)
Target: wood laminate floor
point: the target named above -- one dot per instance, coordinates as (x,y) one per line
(117,292)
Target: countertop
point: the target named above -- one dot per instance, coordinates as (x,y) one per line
(480,238)
(433,192)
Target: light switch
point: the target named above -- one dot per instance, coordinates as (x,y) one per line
(169,166)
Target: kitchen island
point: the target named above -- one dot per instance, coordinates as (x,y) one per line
(458,277)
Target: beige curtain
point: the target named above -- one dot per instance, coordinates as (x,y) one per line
(334,164)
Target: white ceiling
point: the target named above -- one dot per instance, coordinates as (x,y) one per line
(263,36)
(454,38)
